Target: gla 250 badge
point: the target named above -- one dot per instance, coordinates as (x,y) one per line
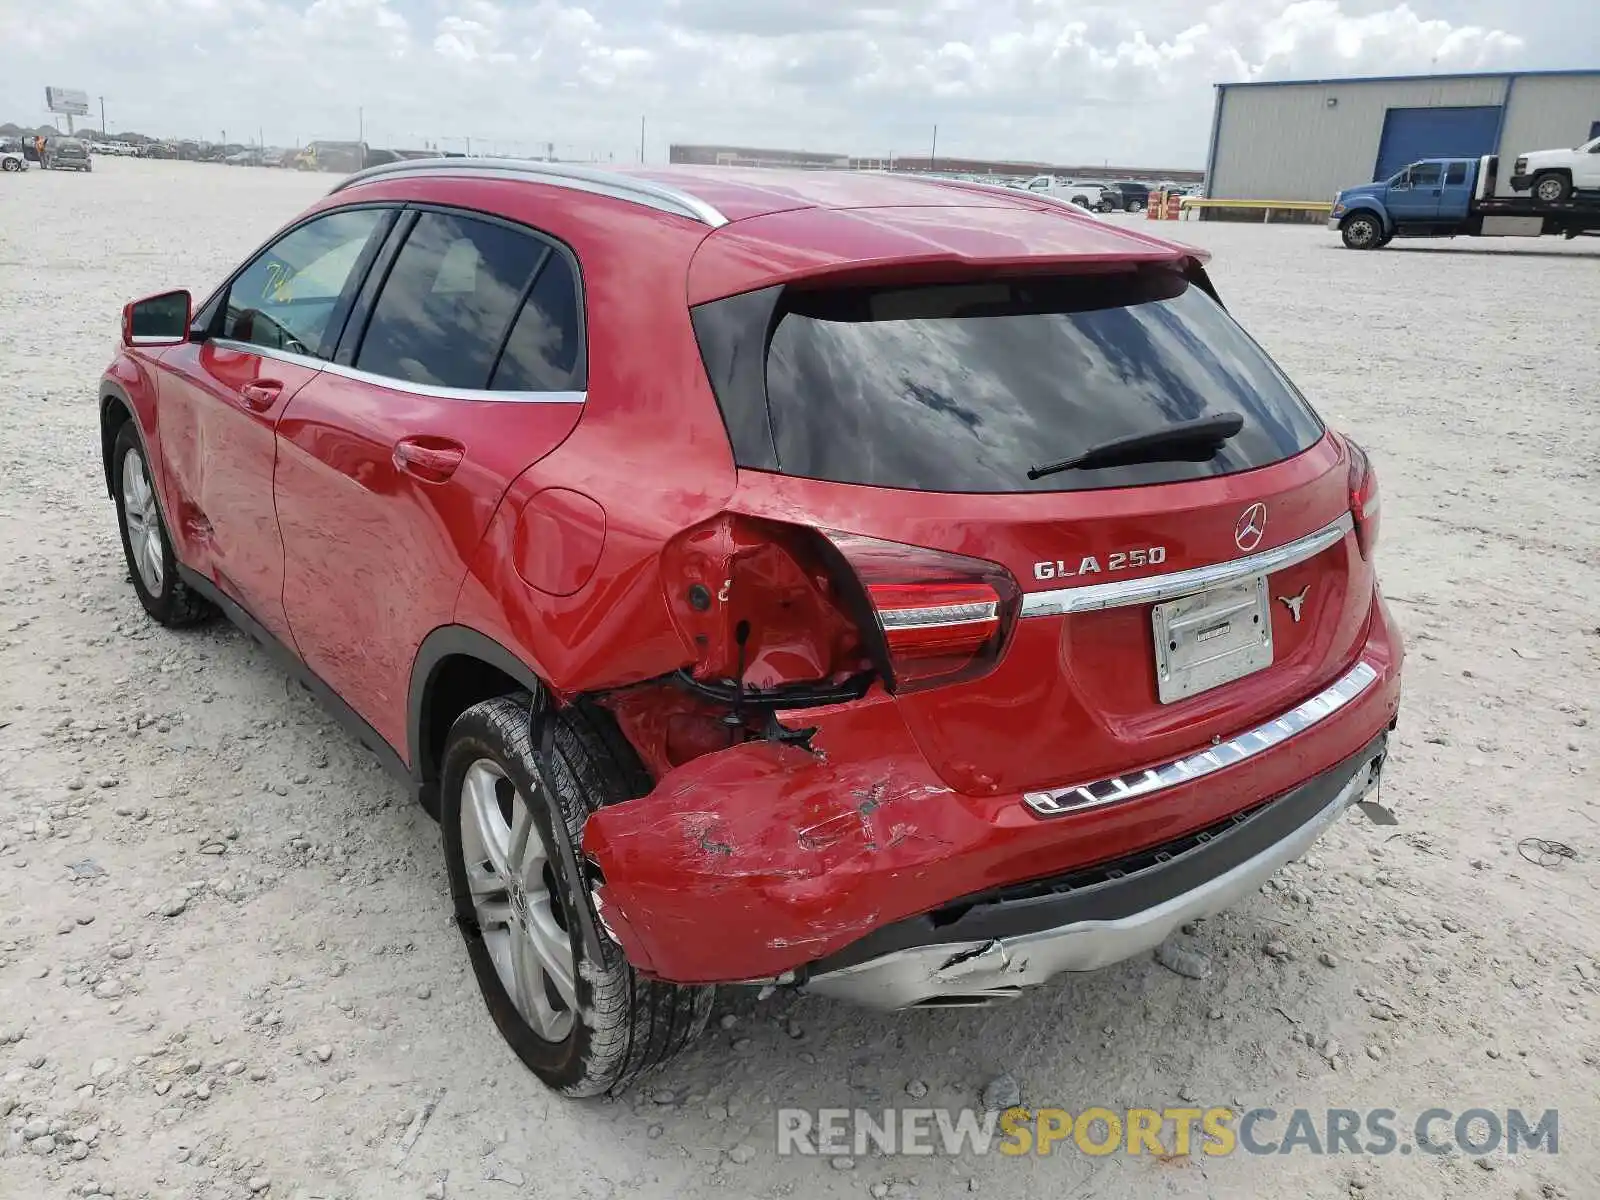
(1122,560)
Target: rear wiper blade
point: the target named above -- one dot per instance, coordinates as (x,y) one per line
(1186,441)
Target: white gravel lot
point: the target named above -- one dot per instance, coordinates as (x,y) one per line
(278,1030)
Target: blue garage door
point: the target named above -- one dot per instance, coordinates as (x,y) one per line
(1413,133)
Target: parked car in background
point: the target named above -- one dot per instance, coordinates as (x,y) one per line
(1126,196)
(532,473)
(1554,175)
(342,157)
(247,157)
(12,158)
(67,154)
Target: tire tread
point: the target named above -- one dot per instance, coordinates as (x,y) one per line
(639,1023)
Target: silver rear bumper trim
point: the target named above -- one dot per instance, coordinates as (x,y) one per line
(1060,801)
(978,972)
(1154,588)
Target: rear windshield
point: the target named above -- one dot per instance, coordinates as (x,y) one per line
(963,387)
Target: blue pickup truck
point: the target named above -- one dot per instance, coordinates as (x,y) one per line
(1450,197)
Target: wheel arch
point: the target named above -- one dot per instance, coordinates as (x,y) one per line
(455,667)
(116,410)
(1371,210)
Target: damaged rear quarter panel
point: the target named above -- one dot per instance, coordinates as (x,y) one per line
(749,861)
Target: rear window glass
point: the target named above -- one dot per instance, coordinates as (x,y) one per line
(963,387)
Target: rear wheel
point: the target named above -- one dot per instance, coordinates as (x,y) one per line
(560,990)
(1136,206)
(1551,188)
(1362,231)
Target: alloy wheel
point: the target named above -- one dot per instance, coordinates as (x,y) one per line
(516,901)
(143,521)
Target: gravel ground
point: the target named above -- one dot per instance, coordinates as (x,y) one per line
(226,965)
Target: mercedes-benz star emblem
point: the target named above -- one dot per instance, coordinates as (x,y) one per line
(1250,527)
(1293,603)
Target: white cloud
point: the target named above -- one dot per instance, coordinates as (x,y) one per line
(1064,80)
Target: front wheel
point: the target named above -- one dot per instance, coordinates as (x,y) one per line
(559,989)
(1362,231)
(11,164)
(145,544)
(1551,188)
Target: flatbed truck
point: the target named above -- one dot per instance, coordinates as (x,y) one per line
(1454,197)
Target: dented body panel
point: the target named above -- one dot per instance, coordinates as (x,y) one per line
(760,859)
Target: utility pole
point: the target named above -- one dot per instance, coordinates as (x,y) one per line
(641,139)
(933,152)
(102,116)
(361,124)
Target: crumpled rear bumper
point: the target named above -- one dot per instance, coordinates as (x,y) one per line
(764,860)
(1024,936)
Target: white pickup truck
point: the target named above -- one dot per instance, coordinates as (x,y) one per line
(1554,175)
(1085,195)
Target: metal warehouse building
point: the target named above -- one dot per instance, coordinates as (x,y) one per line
(1305,140)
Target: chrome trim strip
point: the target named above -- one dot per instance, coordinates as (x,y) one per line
(1324,704)
(938,616)
(478,395)
(1155,588)
(595,180)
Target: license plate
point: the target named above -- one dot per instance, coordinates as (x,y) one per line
(1211,638)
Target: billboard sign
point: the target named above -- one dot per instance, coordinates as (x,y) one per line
(66,100)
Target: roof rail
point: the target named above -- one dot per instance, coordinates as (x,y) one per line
(579,178)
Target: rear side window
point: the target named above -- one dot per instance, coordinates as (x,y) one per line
(545,350)
(963,387)
(449,301)
(1457,173)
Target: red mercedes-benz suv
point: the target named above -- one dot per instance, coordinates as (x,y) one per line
(897,589)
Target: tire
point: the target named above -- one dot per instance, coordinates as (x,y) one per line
(1362,231)
(584,1024)
(11,164)
(1551,188)
(1136,206)
(145,542)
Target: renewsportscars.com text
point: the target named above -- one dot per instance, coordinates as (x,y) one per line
(1165,1132)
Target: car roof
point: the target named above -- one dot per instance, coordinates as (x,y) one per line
(723,196)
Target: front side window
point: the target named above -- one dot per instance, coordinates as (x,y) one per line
(1425,175)
(286,298)
(447,305)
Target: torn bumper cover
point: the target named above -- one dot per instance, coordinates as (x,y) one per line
(766,861)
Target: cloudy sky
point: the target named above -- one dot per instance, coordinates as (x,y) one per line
(1070,81)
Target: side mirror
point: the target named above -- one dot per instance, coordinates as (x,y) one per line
(158,320)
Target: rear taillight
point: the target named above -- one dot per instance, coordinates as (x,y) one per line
(938,617)
(1363,498)
(775,611)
